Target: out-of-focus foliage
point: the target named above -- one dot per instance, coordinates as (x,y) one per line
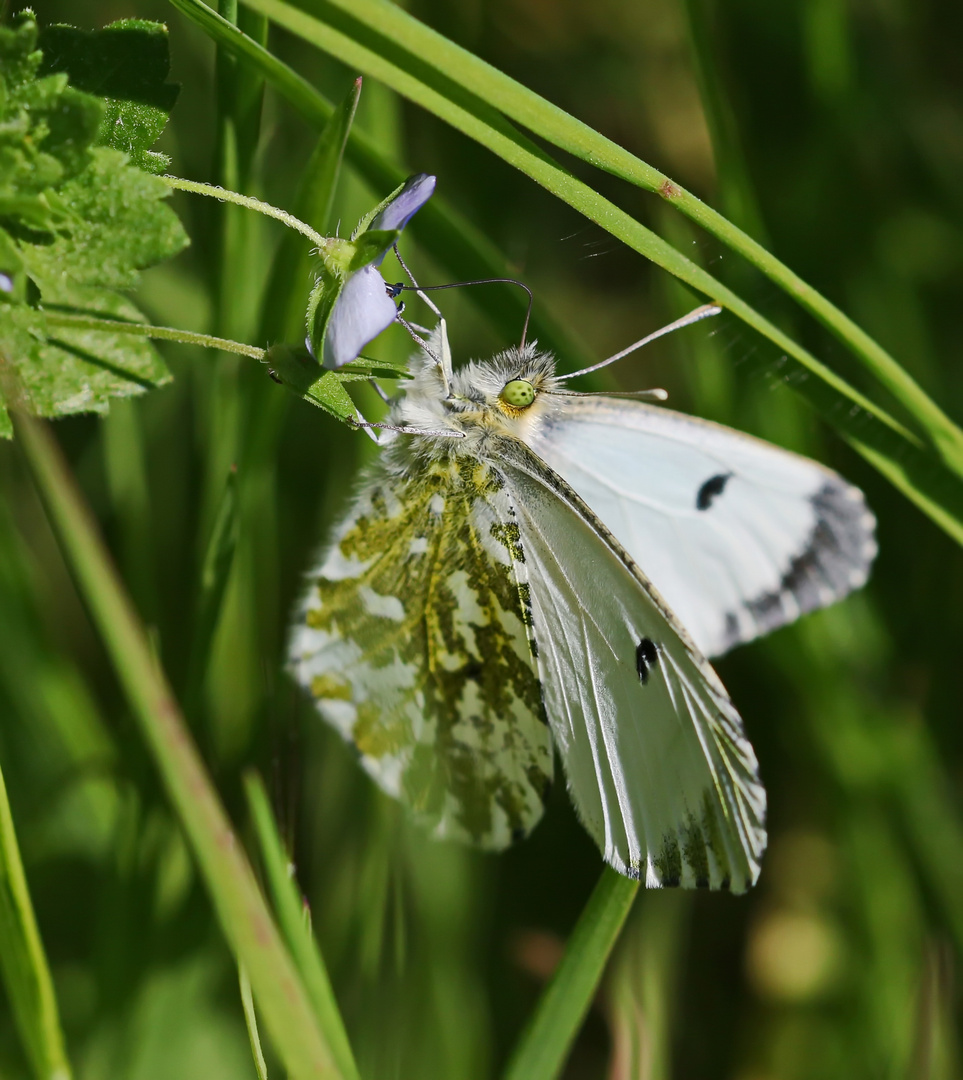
(831,131)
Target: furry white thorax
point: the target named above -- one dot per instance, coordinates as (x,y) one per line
(473,406)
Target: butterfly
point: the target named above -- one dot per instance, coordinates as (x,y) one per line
(525,570)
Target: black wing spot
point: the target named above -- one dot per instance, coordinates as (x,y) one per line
(646,657)
(711,489)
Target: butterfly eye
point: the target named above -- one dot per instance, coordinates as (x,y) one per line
(519,393)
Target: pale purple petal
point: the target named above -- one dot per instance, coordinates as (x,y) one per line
(360,313)
(6,283)
(402,208)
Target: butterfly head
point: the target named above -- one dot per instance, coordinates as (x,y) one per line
(508,393)
(504,396)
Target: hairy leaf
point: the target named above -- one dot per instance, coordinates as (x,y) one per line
(126,64)
(78,221)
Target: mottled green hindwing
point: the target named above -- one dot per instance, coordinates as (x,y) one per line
(415,639)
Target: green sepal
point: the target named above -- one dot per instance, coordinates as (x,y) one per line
(306,378)
(321,300)
(126,64)
(371,245)
(368,367)
(363,224)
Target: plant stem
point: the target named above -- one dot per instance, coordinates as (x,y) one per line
(224,195)
(164,333)
(548,1037)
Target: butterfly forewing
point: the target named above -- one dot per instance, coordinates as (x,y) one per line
(739,536)
(656,760)
(414,639)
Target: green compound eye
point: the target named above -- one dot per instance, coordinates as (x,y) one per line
(519,393)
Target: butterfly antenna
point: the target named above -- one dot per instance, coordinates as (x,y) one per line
(658,394)
(396,289)
(694,316)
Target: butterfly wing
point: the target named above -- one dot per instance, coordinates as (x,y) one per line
(657,763)
(739,536)
(413,638)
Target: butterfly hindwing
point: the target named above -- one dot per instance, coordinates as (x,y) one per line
(739,536)
(656,760)
(414,640)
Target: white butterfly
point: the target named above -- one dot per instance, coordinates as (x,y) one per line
(517,575)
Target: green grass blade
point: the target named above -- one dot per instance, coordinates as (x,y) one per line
(546,1041)
(882,440)
(250,1022)
(215,572)
(23,963)
(241,909)
(303,947)
(414,47)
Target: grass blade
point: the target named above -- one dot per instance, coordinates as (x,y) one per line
(215,573)
(546,1041)
(22,960)
(300,941)
(241,909)
(250,1021)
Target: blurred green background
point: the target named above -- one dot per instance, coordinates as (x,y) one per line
(830,130)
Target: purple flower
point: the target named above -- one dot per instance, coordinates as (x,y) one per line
(362,308)
(360,313)
(6,282)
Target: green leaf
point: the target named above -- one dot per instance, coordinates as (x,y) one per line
(215,574)
(116,224)
(126,64)
(63,370)
(23,963)
(46,128)
(77,222)
(366,367)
